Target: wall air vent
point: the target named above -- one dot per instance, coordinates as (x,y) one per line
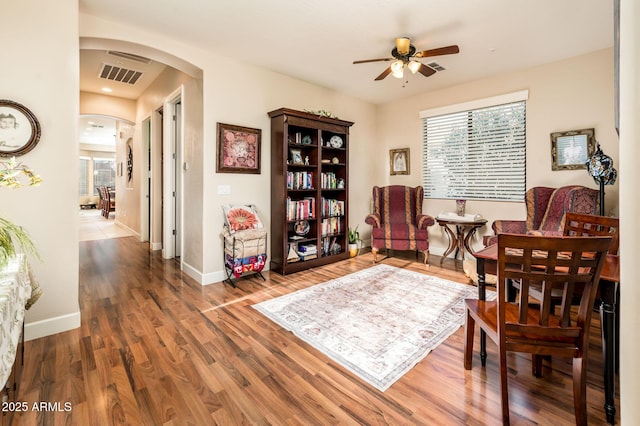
(129,56)
(436,66)
(123,75)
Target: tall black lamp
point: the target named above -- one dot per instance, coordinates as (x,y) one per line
(600,167)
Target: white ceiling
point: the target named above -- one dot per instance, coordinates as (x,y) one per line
(317,41)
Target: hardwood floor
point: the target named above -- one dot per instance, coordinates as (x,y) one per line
(156,348)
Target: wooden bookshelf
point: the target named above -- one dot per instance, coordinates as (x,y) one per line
(309,190)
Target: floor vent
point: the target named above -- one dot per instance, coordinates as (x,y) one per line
(123,75)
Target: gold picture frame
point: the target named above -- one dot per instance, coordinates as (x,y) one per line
(296,156)
(399,163)
(570,150)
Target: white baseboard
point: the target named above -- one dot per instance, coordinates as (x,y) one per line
(203,279)
(37,329)
(122,225)
(206,279)
(155,246)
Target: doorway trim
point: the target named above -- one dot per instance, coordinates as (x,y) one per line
(172,154)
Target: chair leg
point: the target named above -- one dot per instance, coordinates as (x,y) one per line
(504,392)
(426,256)
(580,389)
(536,365)
(374,251)
(469,329)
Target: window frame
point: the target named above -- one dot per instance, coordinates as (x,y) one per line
(513,191)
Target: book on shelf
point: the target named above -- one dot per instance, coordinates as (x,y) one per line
(332,207)
(307,248)
(331,225)
(301,209)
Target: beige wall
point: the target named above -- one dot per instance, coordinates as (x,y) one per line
(572,94)
(629,211)
(243,100)
(112,106)
(49,212)
(45,34)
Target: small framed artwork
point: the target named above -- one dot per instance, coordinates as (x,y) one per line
(296,156)
(571,150)
(19,129)
(399,161)
(238,149)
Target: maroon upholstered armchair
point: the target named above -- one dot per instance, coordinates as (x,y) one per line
(546,209)
(397,221)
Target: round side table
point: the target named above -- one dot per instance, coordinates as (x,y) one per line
(459,240)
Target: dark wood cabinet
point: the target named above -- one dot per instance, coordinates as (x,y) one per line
(309,190)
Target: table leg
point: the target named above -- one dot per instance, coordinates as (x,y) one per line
(459,241)
(452,243)
(468,238)
(482,295)
(608,292)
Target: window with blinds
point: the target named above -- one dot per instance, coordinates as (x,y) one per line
(476,154)
(104,173)
(84,176)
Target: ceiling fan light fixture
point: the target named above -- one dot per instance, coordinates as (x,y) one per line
(403,45)
(397,69)
(414,66)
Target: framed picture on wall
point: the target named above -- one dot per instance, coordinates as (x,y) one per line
(19,129)
(571,150)
(238,149)
(399,161)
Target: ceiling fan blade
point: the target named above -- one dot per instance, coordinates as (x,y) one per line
(373,60)
(425,70)
(384,74)
(447,50)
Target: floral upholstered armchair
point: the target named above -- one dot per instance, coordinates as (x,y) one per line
(546,210)
(397,221)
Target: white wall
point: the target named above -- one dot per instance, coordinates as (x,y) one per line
(49,212)
(629,211)
(243,99)
(572,94)
(41,72)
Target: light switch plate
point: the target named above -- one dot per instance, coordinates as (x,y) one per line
(224,189)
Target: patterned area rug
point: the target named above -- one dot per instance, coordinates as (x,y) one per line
(378,323)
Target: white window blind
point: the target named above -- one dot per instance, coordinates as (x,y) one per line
(104,173)
(84,176)
(476,154)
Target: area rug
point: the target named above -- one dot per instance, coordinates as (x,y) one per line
(378,323)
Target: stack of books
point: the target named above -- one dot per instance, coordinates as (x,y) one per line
(307,251)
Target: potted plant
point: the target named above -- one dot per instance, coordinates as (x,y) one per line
(354,241)
(12,236)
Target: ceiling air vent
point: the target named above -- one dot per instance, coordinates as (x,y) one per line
(129,56)
(436,66)
(123,75)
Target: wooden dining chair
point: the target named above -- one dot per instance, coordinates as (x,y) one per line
(572,264)
(583,225)
(592,225)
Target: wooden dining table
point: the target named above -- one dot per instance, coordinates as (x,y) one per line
(487,263)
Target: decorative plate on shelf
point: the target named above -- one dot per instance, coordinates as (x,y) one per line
(336,141)
(306,140)
(301,227)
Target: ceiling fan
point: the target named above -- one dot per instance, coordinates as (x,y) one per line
(405,55)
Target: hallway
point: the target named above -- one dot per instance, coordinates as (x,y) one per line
(93,226)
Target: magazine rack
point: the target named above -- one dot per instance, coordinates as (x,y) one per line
(245,243)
